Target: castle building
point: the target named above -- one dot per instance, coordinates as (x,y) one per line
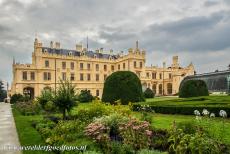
(88,70)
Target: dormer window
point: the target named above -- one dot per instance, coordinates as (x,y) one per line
(70,53)
(45,50)
(95,56)
(110,57)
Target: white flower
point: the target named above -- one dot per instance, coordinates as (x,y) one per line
(205,112)
(212,115)
(197,113)
(223,113)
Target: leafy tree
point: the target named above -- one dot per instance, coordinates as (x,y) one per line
(45,97)
(124,86)
(193,88)
(3,94)
(149,93)
(85,96)
(65,97)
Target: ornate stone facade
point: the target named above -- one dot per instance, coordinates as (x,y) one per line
(88,70)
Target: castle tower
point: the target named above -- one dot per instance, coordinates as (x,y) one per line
(175,61)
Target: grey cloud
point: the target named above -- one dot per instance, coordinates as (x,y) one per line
(190,34)
(210,3)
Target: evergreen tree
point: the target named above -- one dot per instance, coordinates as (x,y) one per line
(3,94)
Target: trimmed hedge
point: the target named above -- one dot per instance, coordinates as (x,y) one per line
(184,110)
(193,88)
(124,86)
(149,93)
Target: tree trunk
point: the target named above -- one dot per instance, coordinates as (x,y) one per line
(64,115)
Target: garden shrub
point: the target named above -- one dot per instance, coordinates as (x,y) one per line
(136,133)
(149,93)
(16,98)
(28,108)
(180,142)
(193,88)
(46,96)
(113,121)
(160,139)
(119,148)
(94,110)
(188,127)
(85,96)
(147,151)
(123,85)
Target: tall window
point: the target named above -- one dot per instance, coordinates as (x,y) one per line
(112,67)
(105,76)
(72,65)
(123,65)
(88,66)
(63,76)
(160,75)
(72,77)
(140,64)
(97,67)
(154,88)
(154,75)
(97,77)
(47,64)
(135,64)
(47,76)
(81,77)
(105,67)
(24,75)
(169,88)
(88,77)
(32,76)
(97,93)
(160,89)
(63,65)
(119,67)
(81,66)
(147,74)
(170,75)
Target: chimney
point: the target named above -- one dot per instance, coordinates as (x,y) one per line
(137,45)
(111,51)
(57,45)
(101,50)
(51,44)
(175,61)
(79,47)
(164,64)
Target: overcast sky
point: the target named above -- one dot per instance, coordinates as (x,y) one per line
(197,31)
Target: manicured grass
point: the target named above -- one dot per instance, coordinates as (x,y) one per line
(220,101)
(28,136)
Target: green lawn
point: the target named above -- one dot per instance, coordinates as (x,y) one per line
(221,101)
(27,134)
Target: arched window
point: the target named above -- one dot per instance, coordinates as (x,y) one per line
(47,88)
(154,88)
(169,88)
(160,89)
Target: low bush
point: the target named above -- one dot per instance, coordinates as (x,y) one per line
(16,98)
(181,142)
(160,139)
(149,93)
(85,96)
(28,108)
